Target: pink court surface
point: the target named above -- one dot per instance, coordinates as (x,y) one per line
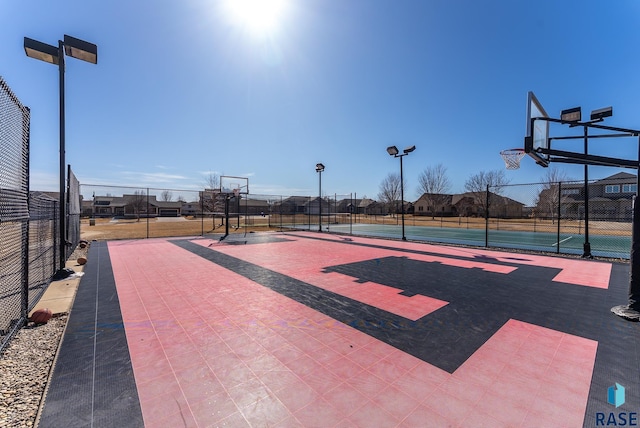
(315,330)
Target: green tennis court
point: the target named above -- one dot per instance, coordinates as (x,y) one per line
(601,245)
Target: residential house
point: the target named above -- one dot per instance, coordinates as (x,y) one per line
(609,198)
(134,206)
(467,204)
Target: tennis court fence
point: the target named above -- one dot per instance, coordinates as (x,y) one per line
(548,217)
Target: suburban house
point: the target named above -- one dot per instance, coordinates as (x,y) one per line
(370,207)
(609,198)
(312,206)
(467,204)
(292,205)
(133,206)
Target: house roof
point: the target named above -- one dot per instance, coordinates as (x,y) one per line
(621,177)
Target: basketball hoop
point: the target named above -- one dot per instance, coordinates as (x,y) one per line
(236,192)
(512,157)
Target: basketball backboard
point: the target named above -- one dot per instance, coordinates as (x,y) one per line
(234,185)
(537,136)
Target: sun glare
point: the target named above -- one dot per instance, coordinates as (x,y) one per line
(259,17)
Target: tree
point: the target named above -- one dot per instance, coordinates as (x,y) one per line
(212,181)
(549,197)
(138,202)
(210,196)
(166,196)
(477,186)
(390,191)
(433,183)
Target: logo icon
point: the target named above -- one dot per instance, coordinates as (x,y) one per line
(615,395)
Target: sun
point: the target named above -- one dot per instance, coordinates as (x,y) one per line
(258,17)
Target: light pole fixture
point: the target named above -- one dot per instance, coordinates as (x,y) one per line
(319,169)
(78,49)
(601,113)
(571,115)
(393,151)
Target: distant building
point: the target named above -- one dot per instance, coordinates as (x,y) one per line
(134,206)
(609,198)
(467,204)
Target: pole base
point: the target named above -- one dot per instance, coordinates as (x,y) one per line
(63,274)
(624,311)
(586,251)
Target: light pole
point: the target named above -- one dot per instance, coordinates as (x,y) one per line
(393,151)
(319,169)
(75,48)
(573,117)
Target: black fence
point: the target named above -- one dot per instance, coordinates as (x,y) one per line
(29,222)
(544,217)
(553,216)
(14,213)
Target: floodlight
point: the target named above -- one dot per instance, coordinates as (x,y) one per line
(571,115)
(409,150)
(601,113)
(80,49)
(41,51)
(392,150)
(319,167)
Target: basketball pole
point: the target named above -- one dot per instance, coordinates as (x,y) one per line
(586,253)
(631,311)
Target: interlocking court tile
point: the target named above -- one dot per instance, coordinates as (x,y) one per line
(261,357)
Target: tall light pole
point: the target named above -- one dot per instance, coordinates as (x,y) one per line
(75,48)
(393,151)
(573,117)
(319,169)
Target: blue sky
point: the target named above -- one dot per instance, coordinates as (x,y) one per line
(184,88)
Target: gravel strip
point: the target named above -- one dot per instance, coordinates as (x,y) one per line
(24,371)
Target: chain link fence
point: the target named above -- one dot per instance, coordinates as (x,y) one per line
(14,212)
(547,217)
(553,216)
(29,222)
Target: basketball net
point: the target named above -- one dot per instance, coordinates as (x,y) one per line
(236,192)
(512,157)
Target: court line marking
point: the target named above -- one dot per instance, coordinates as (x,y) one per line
(561,241)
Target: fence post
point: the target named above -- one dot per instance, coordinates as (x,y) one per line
(25,273)
(559,213)
(351,215)
(147,213)
(56,237)
(281,213)
(486,222)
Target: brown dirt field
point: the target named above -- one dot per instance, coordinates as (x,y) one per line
(106,229)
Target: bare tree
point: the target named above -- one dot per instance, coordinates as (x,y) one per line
(549,197)
(477,185)
(138,202)
(212,181)
(166,196)
(433,183)
(211,195)
(389,191)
